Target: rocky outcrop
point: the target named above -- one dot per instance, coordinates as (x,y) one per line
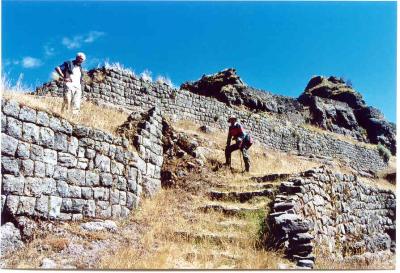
(226,86)
(345,216)
(337,107)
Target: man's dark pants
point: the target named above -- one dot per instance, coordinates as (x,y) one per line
(234,147)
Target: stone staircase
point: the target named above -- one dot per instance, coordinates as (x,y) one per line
(237,203)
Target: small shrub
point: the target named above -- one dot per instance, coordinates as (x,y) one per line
(384,152)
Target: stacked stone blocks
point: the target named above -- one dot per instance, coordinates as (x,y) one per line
(52,169)
(347,216)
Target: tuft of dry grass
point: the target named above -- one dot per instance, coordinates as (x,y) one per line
(90,115)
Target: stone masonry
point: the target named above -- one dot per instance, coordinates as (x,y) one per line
(118,88)
(344,215)
(52,169)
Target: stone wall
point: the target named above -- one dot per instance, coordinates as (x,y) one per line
(120,89)
(52,169)
(346,217)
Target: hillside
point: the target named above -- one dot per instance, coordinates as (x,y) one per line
(141,185)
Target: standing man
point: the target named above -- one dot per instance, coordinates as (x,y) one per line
(71,73)
(243,142)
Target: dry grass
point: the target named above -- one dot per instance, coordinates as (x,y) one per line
(263,161)
(90,115)
(162,247)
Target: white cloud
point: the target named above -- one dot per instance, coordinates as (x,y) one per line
(78,40)
(93,35)
(49,51)
(30,62)
(72,43)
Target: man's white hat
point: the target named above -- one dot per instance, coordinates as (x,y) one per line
(81,55)
(232,117)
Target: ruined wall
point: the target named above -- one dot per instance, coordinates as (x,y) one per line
(117,88)
(346,216)
(52,169)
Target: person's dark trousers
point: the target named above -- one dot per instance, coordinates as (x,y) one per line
(234,147)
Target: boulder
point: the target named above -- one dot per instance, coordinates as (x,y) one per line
(10,238)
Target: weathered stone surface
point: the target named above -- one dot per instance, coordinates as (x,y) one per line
(8,145)
(10,238)
(26,205)
(54,207)
(30,132)
(48,264)
(12,184)
(14,128)
(46,137)
(9,165)
(42,119)
(23,150)
(106,179)
(11,108)
(67,160)
(76,177)
(99,225)
(27,114)
(102,163)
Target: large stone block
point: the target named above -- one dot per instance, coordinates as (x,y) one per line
(106,179)
(92,178)
(87,192)
(67,160)
(50,156)
(42,118)
(60,173)
(11,204)
(61,126)
(75,191)
(40,169)
(61,142)
(114,196)
(12,184)
(9,165)
(103,163)
(23,150)
(33,186)
(27,114)
(26,205)
(14,128)
(132,201)
(11,108)
(151,186)
(10,238)
(27,167)
(63,188)
(103,209)
(42,205)
(102,194)
(89,209)
(73,146)
(54,207)
(76,177)
(30,132)
(37,152)
(8,145)
(117,168)
(46,137)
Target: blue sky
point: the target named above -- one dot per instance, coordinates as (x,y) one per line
(276,46)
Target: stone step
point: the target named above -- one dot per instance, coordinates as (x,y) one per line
(232,209)
(215,237)
(213,254)
(271,177)
(233,223)
(245,186)
(240,196)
